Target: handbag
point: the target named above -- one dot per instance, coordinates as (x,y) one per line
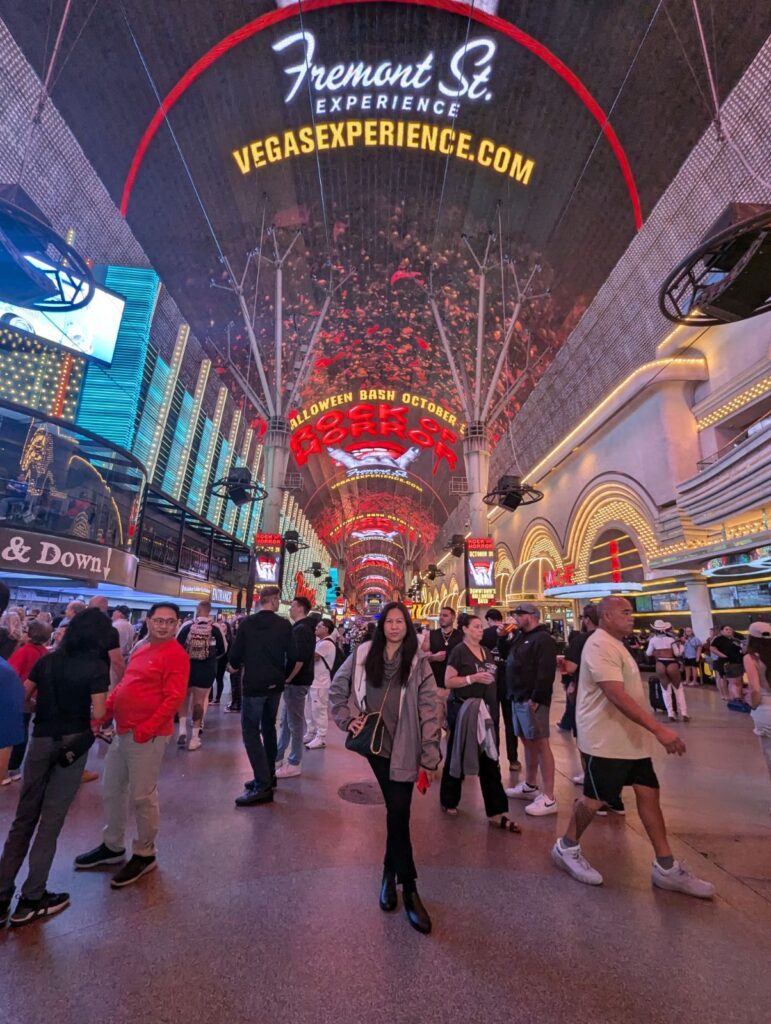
(369,740)
(79,745)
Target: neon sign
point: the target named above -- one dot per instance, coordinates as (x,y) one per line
(562,577)
(343,87)
(268,557)
(381,421)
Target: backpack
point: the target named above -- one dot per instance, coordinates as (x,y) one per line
(198,640)
(337,662)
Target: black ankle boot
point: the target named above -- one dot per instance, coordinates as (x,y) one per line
(416,913)
(388,892)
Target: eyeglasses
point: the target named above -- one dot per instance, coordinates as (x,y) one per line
(163,622)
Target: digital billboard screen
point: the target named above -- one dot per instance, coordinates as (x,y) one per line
(480,571)
(91,331)
(269,559)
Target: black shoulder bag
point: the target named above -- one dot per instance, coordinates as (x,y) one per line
(369,740)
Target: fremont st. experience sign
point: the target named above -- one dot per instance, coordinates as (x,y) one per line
(390,85)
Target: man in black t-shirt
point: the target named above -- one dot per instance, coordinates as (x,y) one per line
(729,666)
(495,640)
(437,643)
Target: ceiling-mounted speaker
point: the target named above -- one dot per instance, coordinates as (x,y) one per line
(38,268)
(728,277)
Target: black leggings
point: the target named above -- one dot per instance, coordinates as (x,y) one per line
(489,776)
(398,799)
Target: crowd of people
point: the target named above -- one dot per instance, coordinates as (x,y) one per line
(407,701)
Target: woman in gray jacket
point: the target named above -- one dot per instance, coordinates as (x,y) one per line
(389,675)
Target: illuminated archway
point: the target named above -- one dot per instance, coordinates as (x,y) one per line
(610,504)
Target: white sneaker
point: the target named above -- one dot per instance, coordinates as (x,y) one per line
(542,806)
(523,791)
(288,771)
(195,743)
(316,744)
(308,737)
(679,879)
(578,779)
(570,859)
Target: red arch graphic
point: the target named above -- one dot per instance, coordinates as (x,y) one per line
(285,13)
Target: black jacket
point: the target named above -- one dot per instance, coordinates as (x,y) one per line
(303,649)
(262,645)
(531,666)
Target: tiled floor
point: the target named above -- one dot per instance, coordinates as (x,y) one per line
(270,913)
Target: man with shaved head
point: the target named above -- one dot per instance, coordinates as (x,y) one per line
(615,737)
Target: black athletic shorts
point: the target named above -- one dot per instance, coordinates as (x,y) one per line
(692,662)
(605,777)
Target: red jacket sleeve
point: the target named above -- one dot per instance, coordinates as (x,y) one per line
(174,687)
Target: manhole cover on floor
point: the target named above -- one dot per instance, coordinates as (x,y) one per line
(361,793)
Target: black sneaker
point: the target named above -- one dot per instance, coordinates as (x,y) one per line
(5,906)
(101,854)
(29,910)
(254,796)
(133,870)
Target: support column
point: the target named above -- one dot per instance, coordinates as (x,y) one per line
(699,604)
(276,461)
(476,453)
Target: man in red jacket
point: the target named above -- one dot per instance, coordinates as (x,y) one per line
(143,706)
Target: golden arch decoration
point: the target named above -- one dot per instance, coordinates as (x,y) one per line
(611,504)
(540,542)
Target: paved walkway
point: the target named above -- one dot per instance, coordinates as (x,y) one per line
(270,913)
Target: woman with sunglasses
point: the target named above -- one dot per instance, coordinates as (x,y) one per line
(389,675)
(470,677)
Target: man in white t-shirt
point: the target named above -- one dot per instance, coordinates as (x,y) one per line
(317,701)
(615,736)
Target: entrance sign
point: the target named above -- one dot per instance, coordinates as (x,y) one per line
(480,571)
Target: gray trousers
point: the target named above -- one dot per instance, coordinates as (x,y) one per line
(131,773)
(292,723)
(47,790)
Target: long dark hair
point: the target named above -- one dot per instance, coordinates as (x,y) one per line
(89,632)
(374,665)
(761,646)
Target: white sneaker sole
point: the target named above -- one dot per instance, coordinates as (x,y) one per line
(522,796)
(540,811)
(563,865)
(668,887)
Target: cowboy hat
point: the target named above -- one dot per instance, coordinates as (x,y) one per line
(661,626)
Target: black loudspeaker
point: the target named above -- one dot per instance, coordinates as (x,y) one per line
(510,493)
(457,545)
(238,483)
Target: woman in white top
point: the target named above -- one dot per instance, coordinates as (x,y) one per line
(667,650)
(757,666)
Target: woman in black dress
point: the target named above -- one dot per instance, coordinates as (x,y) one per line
(471,677)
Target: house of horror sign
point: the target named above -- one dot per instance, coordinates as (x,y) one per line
(480,571)
(375,433)
(430,84)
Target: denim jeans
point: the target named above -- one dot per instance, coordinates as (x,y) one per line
(258,728)
(292,725)
(47,791)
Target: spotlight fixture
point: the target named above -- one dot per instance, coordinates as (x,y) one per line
(237,487)
(293,542)
(510,493)
(316,571)
(456,545)
(433,571)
